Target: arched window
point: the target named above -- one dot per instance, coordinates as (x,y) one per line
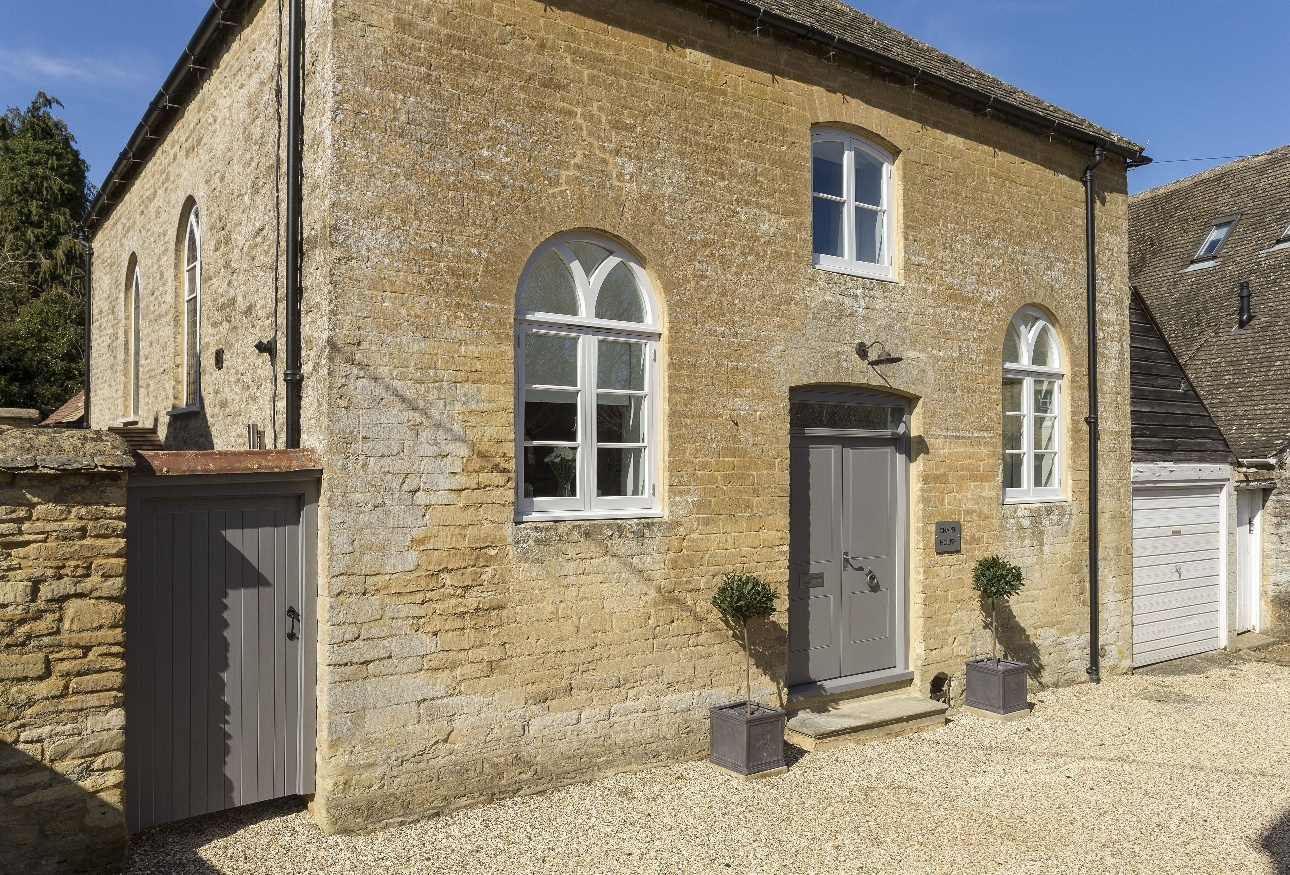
(586,349)
(851,204)
(192,257)
(1032,403)
(133,325)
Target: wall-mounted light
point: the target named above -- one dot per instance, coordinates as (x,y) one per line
(865,350)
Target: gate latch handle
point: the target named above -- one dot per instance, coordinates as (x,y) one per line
(294,616)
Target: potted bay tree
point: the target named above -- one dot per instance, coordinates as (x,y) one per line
(993,684)
(746,737)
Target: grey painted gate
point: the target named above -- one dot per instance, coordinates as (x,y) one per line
(220,691)
(847,537)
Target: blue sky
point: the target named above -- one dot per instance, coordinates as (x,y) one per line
(1195,78)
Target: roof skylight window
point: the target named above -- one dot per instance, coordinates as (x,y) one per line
(1214,242)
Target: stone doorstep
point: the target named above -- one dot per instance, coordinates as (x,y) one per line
(858,721)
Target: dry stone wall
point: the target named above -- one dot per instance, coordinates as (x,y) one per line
(62,605)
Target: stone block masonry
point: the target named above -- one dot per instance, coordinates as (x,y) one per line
(62,606)
(464,655)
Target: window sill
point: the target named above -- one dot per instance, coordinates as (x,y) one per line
(1200,265)
(557,516)
(1280,244)
(128,420)
(1057,499)
(857,270)
(184,411)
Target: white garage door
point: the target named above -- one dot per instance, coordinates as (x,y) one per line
(1177,544)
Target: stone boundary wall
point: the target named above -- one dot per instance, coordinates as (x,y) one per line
(62,607)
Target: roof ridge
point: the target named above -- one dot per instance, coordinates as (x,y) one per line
(1212,171)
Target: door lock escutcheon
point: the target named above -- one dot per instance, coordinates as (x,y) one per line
(294,616)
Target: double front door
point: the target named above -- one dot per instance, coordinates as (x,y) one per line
(846,564)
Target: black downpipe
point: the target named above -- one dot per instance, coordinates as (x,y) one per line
(83,237)
(1090,244)
(291,374)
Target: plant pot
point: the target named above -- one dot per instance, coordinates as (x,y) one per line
(997,686)
(747,744)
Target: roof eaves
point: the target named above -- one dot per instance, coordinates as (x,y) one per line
(985,88)
(180,84)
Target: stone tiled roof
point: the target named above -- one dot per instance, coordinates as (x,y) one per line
(826,20)
(1243,377)
(71,411)
(62,449)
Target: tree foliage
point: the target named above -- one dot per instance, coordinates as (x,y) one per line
(43,194)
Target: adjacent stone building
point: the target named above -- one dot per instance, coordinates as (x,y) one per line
(1195,246)
(603,300)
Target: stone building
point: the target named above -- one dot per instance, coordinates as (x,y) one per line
(1195,246)
(601,301)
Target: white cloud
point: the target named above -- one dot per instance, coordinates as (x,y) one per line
(51,70)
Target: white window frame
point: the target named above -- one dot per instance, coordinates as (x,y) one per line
(585,504)
(193,357)
(1028,373)
(133,346)
(848,263)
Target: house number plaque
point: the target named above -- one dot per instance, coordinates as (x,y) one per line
(808,580)
(949,537)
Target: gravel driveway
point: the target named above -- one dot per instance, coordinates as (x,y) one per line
(1168,773)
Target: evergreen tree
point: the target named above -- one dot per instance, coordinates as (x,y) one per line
(43,195)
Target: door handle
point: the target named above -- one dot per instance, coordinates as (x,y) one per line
(294,616)
(846,560)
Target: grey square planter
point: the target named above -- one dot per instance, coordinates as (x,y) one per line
(747,744)
(997,687)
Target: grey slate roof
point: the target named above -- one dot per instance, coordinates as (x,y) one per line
(1243,378)
(834,18)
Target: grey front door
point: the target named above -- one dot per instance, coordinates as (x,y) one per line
(846,567)
(219,694)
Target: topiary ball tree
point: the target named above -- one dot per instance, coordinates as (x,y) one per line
(997,580)
(741,598)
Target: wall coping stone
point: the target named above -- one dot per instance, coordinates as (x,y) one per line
(62,449)
(183,462)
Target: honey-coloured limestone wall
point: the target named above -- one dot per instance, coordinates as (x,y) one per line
(62,592)
(472,656)
(465,656)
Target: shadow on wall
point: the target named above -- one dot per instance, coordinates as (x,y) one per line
(190,431)
(1014,641)
(51,825)
(1276,843)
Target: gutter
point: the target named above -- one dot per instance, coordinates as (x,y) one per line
(1094,669)
(83,238)
(773,19)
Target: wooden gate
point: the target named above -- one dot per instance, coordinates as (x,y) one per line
(220,642)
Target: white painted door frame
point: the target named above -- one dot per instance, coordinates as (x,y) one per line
(1249,559)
